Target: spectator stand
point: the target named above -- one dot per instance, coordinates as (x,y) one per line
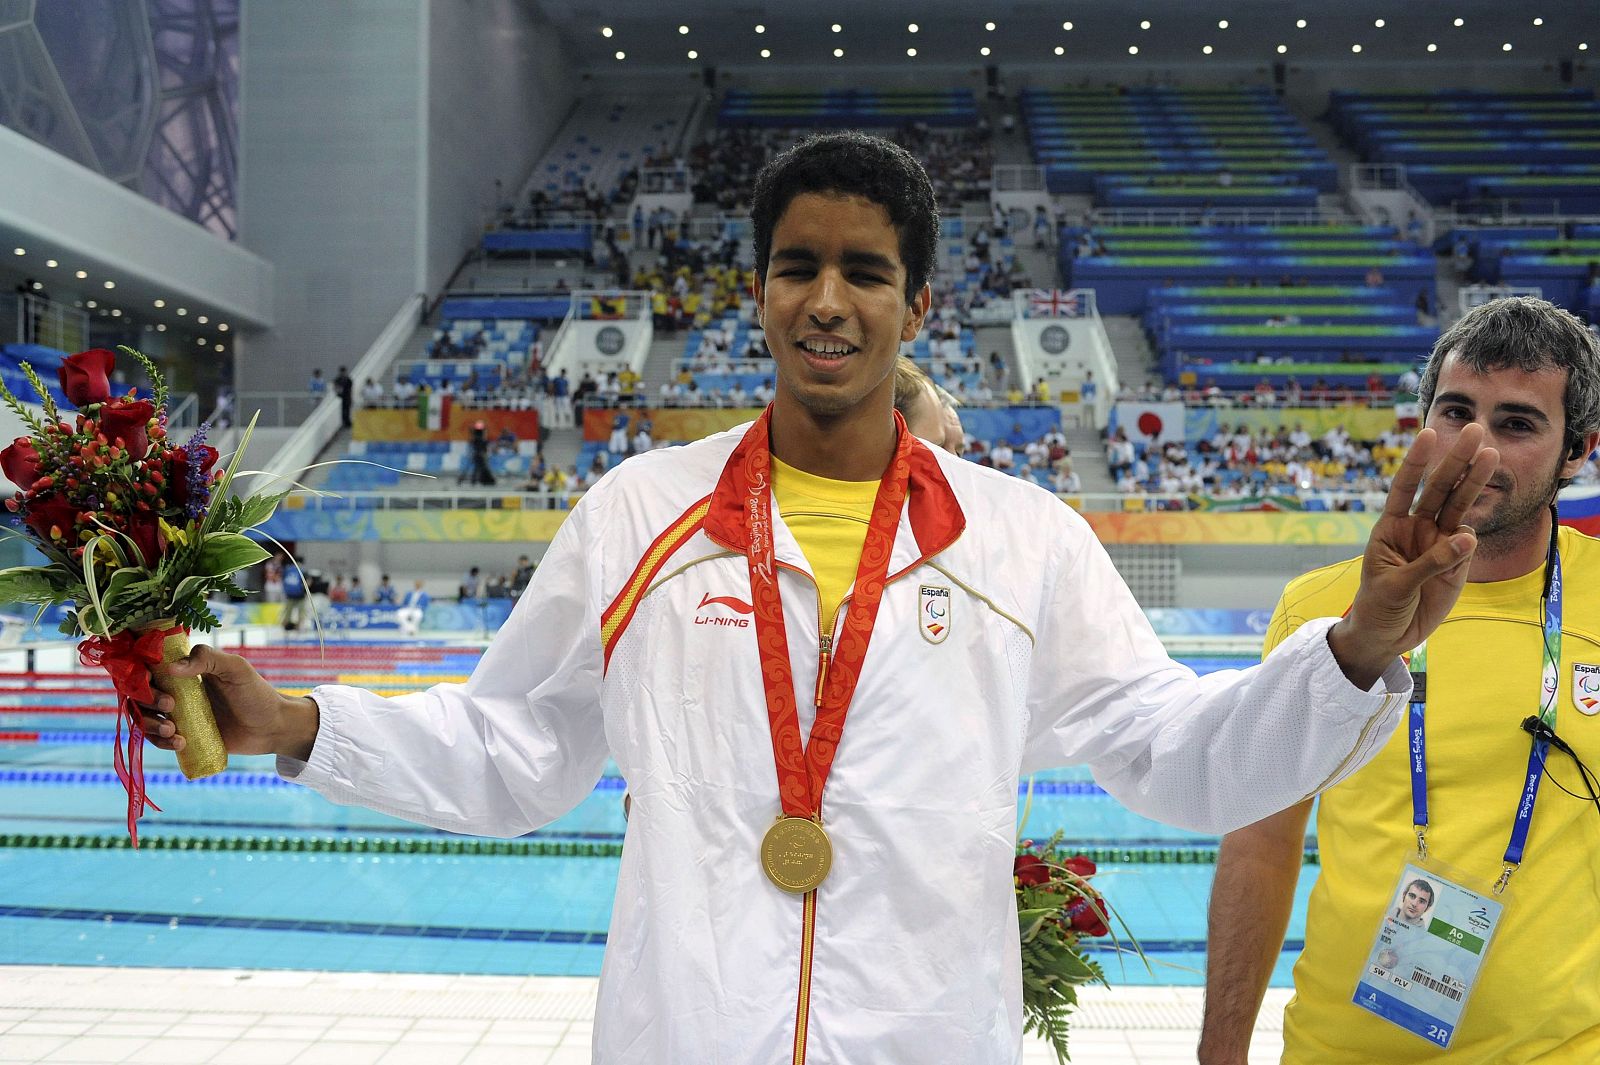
(595,160)
(1021,190)
(1059,339)
(605,331)
(661,193)
(1202,458)
(471,357)
(1505,153)
(1172,148)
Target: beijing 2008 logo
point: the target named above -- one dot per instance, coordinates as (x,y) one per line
(1586,687)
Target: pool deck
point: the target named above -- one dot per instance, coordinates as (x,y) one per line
(274,1017)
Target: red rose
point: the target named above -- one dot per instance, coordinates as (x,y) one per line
(1030,870)
(178,471)
(86,376)
(146,536)
(1086,918)
(1080,866)
(52,510)
(20,462)
(128,419)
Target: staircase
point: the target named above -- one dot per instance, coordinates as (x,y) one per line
(1089,458)
(989,338)
(660,365)
(1136,360)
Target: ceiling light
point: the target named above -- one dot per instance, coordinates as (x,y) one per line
(1222,24)
(1538,22)
(1133,49)
(1433,48)
(1378,23)
(161,303)
(693,54)
(37,287)
(80,275)
(1206,49)
(622,55)
(111,284)
(1060,50)
(201,341)
(605,31)
(911,51)
(1583,46)
(760,28)
(1067,26)
(220,348)
(1144,25)
(182,311)
(984,50)
(989,26)
(1299,23)
(161,327)
(19,251)
(912,28)
(222,327)
(1461,22)
(1355,48)
(1506,47)
(203,320)
(116,312)
(838,53)
(683,29)
(1282,48)
(92,305)
(51,263)
(766,53)
(837,28)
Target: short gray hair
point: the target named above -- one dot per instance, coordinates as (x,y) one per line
(1532,335)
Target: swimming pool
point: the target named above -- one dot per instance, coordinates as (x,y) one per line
(245,869)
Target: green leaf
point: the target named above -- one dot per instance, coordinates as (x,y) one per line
(257,509)
(222,553)
(32,584)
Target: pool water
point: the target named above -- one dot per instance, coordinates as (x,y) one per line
(244,869)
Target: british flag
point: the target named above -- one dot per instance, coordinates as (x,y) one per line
(1053,303)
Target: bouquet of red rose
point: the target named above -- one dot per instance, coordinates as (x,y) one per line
(1056,908)
(138,531)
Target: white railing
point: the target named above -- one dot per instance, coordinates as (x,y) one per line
(662,181)
(1206,216)
(278,409)
(595,304)
(1386,176)
(1016,178)
(53,324)
(1470,296)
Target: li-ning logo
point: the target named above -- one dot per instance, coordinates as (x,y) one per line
(738,606)
(933,612)
(1586,687)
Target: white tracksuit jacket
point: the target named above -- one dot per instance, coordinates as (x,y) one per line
(1046,661)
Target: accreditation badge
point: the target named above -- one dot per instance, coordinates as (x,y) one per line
(1428,952)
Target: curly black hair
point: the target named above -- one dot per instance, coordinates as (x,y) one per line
(853,164)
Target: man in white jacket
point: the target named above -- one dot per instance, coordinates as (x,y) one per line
(798,885)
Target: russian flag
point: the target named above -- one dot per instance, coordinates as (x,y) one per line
(1579,507)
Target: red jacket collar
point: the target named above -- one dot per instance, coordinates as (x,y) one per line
(935,517)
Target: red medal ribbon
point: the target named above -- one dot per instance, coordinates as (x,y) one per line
(127,657)
(803,773)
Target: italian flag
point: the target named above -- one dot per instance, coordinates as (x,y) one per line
(433,410)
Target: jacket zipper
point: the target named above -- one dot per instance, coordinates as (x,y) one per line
(1361,742)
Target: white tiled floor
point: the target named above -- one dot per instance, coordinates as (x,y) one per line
(239,1017)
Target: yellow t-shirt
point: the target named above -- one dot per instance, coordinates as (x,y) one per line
(1538,993)
(829,519)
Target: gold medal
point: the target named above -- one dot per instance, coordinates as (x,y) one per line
(796,854)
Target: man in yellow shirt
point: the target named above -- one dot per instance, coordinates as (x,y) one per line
(1529,373)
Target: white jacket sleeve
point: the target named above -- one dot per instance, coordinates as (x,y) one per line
(519,744)
(1210,753)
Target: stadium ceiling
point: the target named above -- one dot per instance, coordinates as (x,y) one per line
(697,33)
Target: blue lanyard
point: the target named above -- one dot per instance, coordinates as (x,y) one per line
(1550,604)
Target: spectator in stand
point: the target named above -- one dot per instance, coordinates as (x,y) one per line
(294,598)
(641,439)
(521,575)
(272,579)
(358,594)
(371,394)
(345,387)
(618,444)
(340,592)
(384,596)
(412,609)
(471,587)
(318,387)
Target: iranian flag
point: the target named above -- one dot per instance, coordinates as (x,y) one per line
(433,410)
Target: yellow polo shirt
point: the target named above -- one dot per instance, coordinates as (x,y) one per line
(1537,999)
(829,519)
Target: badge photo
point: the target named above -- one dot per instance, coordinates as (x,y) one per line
(933,612)
(1586,687)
